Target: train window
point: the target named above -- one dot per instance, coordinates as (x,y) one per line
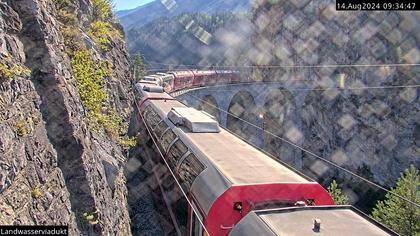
(160,128)
(272,205)
(152,118)
(177,150)
(147,110)
(167,139)
(190,168)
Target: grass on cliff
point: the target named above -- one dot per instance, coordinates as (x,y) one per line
(103,33)
(10,70)
(90,82)
(20,128)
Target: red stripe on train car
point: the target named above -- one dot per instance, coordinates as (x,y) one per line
(222,215)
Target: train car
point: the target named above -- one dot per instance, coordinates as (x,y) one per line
(224,177)
(306,221)
(203,77)
(233,188)
(182,79)
(154,79)
(227,77)
(168,81)
(235,77)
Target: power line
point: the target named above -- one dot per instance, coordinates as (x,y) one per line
(300,66)
(310,153)
(209,88)
(328,65)
(334,88)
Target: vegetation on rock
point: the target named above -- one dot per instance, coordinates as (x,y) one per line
(127,143)
(21,129)
(102,33)
(90,76)
(102,9)
(92,70)
(92,218)
(10,70)
(397,213)
(36,192)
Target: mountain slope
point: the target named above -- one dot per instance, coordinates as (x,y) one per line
(149,12)
(198,39)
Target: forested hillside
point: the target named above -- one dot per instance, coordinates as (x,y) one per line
(191,39)
(149,12)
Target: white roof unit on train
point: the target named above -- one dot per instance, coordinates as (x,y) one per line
(165,76)
(150,78)
(194,120)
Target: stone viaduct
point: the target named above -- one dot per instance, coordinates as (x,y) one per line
(274,107)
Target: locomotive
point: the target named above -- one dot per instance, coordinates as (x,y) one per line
(231,187)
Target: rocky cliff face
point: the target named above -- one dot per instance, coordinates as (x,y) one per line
(55,168)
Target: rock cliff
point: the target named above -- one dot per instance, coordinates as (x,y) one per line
(61,161)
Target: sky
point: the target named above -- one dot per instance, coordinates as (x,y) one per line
(129,4)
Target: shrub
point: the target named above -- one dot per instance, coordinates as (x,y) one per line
(89,76)
(110,123)
(102,33)
(10,72)
(21,129)
(36,192)
(92,218)
(127,143)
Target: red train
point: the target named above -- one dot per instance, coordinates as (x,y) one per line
(234,188)
(178,80)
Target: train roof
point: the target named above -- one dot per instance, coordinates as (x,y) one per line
(204,72)
(238,161)
(181,73)
(228,160)
(334,220)
(149,90)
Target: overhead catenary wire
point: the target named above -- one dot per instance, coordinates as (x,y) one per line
(297,66)
(310,153)
(209,89)
(338,88)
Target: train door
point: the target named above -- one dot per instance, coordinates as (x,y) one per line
(196,228)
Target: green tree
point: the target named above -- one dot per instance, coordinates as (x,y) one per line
(336,193)
(102,9)
(397,213)
(139,69)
